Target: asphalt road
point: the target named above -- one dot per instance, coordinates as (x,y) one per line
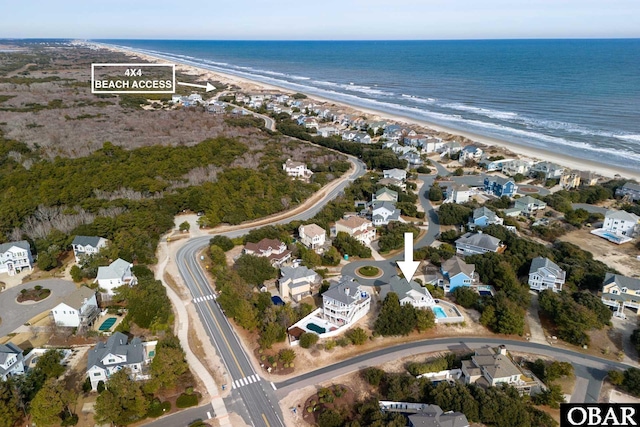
(14,314)
(592,368)
(251,397)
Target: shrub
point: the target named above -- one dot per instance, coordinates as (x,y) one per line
(186,400)
(223,242)
(100,386)
(86,385)
(357,336)
(307,339)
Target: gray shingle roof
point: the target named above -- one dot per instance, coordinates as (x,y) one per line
(480,240)
(622,281)
(7,350)
(23,244)
(116,344)
(484,211)
(436,418)
(454,266)
(77,298)
(401,287)
(114,271)
(631,186)
(295,273)
(93,241)
(345,291)
(622,215)
(547,266)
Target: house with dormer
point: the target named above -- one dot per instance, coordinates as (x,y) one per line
(359,228)
(399,174)
(455,273)
(529,205)
(312,236)
(499,186)
(116,274)
(548,170)
(345,302)
(482,217)
(15,257)
(87,245)
(273,249)
(382,213)
(117,353)
(470,152)
(478,244)
(78,310)
(296,283)
(620,292)
(296,169)
(11,361)
(545,274)
(409,293)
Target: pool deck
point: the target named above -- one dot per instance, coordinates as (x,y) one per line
(611,236)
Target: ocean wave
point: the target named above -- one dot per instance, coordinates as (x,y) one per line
(419,99)
(492,114)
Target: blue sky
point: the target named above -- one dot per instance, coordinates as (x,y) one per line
(325,19)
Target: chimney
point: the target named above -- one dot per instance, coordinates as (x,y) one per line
(502,350)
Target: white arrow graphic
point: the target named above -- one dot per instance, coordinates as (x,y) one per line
(408,266)
(209,87)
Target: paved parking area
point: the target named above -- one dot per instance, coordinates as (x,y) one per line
(14,314)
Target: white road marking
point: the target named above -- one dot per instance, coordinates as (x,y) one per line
(273,385)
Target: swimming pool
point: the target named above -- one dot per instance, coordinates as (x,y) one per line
(612,236)
(107,324)
(439,312)
(315,328)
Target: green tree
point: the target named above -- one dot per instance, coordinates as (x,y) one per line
(465,296)
(10,404)
(453,214)
(168,364)
(357,336)
(330,418)
(47,261)
(223,242)
(331,257)
(616,377)
(349,245)
(185,226)
(123,401)
(218,257)
(52,403)
(307,339)
(631,381)
(255,270)
(76,273)
(287,355)
(436,193)
(425,319)
(395,319)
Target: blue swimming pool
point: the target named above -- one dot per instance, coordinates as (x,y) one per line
(612,236)
(439,312)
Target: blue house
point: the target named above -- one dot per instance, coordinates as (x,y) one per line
(483,217)
(499,186)
(456,272)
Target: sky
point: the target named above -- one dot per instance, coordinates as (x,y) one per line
(319,20)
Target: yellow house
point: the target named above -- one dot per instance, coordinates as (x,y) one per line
(621,292)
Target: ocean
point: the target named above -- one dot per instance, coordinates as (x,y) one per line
(579,98)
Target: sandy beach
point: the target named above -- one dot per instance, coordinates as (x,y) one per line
(562,158)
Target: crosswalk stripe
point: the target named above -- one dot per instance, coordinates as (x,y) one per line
(250,380)
(256,378)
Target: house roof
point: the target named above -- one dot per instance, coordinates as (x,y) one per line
(471,149)
(395,172)
(528,200)
(22,244)
(436,418)
(480,240)
(495,364)
(114,271)
(499,180)
(390,181)
(78,297)
(292,164)
(93,241)
(546,267)
(295,273)
(454,266)
(401,287)
(345,291)
(7,350)
(621,281)
(263,245)
(631,186)
(353,222)
(116,344)
(384,205)
(484,211)
(622,215)
(385,190)
(312,230)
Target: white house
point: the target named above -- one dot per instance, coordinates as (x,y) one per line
(530,205)
(296,169)
(87,245)
(296,282)
(513,167)
(384,212)
(327,131)
(11,361)
(15,257)
(545,274)
(548,169)
(118,273)
(78,309)
(470,152)
(345,302)
(455,193)
(312,236)
(362,137)
(399,174)
(273,249)
(408,292)
(105,359)
(358,228)
(621,222)
(478,244)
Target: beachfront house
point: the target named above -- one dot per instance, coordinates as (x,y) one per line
(620,292)
(359,228)
(382,213)
(529,205)
(547,170)
(455,273)
(516,166)
(11,361)
(296,283)
(15,257)
(273,249)
(490,367)
(499,186)
(621,223)
(570,179)
(629,190)
(492,164)
(116,274)
(385,195)
(545,274)
(399,174)
(455,193)
(408,292)
(296,169)
(588,178)
(78,310)
(450,148)
(362,138)
(109,357)
(345,302)
(482,217)
(87,245)
(478,244)
(470,152)
(327,131)
(312,236)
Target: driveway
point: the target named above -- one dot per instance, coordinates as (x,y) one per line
(13,314)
